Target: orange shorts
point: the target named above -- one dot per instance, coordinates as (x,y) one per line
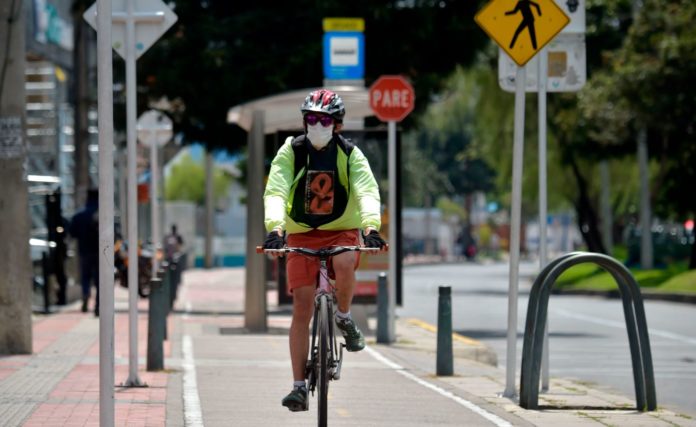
(303,270)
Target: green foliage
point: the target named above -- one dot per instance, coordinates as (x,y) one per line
(222,53)
(187,181)
(648,83)
(450,208)
(589,277)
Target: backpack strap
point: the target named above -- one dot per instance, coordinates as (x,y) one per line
(299,148)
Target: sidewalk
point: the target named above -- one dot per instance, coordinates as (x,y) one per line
(218,372)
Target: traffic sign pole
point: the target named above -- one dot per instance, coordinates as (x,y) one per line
(106,214)
(131,147)
(392,98)
(393,241)
(515,225)
(154,129)
(543,256)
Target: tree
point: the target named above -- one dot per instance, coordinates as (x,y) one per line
(649,83)
(187,181)
(221,53)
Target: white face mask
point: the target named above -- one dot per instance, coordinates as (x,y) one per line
(319,135)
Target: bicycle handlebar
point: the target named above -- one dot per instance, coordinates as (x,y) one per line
(319,253)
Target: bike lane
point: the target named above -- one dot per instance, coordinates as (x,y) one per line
(229,376)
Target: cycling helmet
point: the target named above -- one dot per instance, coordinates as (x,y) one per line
(324,101)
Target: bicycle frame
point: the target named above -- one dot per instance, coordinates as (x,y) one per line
(325,290)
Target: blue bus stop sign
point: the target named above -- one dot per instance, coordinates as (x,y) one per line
(344,55)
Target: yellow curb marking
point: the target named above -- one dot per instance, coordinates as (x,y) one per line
(455,336)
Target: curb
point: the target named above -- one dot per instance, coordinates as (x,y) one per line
(614,294)
(416,334)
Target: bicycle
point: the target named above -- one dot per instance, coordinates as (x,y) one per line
(325,356)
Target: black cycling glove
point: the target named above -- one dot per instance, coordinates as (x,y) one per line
(374,240)
(274,241)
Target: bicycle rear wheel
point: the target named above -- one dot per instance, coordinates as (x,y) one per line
(324,355)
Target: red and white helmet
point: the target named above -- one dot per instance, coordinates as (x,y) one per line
(324,101)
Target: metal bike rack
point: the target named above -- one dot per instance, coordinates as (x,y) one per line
(636,326)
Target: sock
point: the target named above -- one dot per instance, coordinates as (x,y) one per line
(343,316)
(299,384)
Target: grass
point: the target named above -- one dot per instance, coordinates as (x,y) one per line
(674,278)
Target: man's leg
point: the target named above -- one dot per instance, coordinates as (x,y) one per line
(344,268)
(302,311)
(85,281)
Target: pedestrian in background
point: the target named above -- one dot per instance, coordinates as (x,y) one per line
(84,227)
(173,243)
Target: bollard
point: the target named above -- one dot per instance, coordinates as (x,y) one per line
(444,332)
(165,274)
(382,310)
(157,318)
(44,272)
(175,271)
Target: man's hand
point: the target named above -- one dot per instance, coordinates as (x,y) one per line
(372,239)
(274,240)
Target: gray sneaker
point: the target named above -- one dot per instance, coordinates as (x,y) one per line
(355,340)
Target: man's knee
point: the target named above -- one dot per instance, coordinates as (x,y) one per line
(344,266)
(303,303)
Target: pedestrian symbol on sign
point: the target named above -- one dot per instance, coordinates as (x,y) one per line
(506,21)
(525,7)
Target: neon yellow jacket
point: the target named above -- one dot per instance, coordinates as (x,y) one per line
(362,209)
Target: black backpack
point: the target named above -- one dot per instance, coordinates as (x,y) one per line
(299,147)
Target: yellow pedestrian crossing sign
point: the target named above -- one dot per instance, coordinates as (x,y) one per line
(522,27)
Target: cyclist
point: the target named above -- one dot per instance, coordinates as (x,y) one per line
(320,192)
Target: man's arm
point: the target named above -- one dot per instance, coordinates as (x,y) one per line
(364,185)
(278,186)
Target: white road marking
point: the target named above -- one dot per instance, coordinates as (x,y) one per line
(467,404)
(622,325)
(193,415)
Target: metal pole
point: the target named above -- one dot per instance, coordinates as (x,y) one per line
(132,205)
(255,286)
(122,189)
(154,202)
(646,249)
(515,222)
(543,253)
(444,353)
(106,214)
(393,212)
(382,309)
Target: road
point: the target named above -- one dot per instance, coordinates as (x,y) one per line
(588,337)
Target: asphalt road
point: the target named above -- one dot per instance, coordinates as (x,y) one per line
(587,335)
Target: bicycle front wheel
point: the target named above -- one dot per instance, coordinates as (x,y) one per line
(324,355)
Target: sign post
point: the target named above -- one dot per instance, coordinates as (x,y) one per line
(106,217)
(133,29)
(392,98)
(154,130)
(521,32)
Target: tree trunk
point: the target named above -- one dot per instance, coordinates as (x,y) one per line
(692,261)
(587,216)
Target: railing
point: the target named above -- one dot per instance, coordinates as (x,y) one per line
(636,326)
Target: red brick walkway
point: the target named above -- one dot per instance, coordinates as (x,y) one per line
(74,399)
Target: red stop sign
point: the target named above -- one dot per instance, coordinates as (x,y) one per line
(392,98)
